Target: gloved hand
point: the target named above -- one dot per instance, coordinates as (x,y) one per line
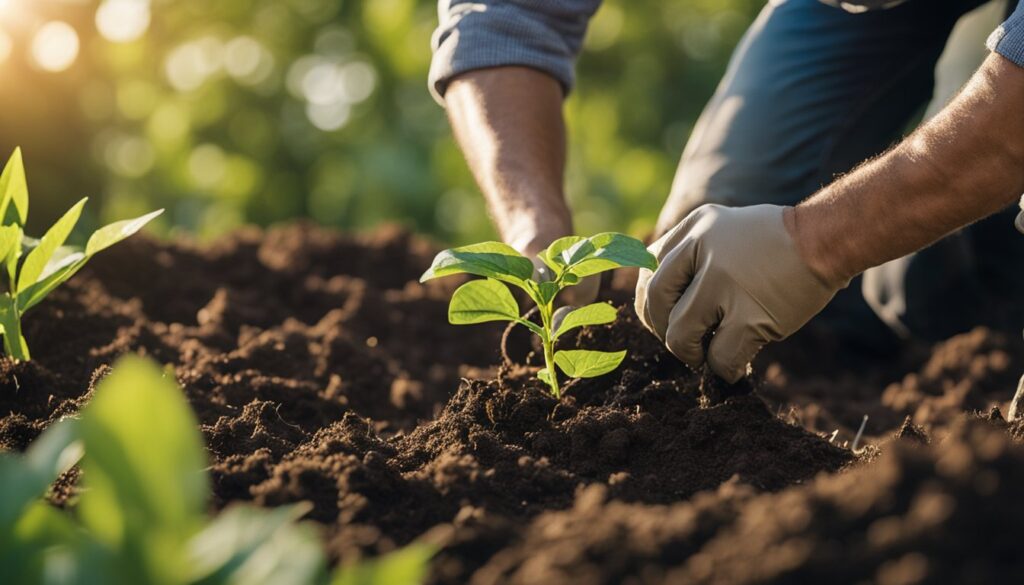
(734,271)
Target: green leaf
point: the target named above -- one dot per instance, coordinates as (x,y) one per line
(595,314)
(14,342)
(249,545)
(9,237)
(612,250)
(407,566)
(552,256)
(14,189)
(544,375)
(25,478)
(109,235)
(55,274)
(37,259)
(489,259)
(145,488)
(547,291)
(13,256)
(581,363)
(480,301)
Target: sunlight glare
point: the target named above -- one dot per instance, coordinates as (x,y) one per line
(55,46)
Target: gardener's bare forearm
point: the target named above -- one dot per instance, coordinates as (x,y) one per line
(965,164)
(508,121)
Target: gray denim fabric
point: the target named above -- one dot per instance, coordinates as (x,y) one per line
(1008,39)
(547,35)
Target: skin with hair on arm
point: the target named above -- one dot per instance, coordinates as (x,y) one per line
(508,122)
(757,274)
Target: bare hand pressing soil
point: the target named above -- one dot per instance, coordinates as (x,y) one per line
(322,371)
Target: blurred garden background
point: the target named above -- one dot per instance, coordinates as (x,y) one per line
(229,112)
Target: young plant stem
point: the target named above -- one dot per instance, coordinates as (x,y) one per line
(549,349)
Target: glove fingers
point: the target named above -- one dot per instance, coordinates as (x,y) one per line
(733,347)
(664,289)
(691,318)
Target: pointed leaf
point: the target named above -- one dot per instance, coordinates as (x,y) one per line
(109,235)
(55,274)
(145,488)
(407,566)
(37,259)
(25,478)
(9,236)
(547,291)
(480,301)
(595,314)
(613,250)
(245,544)
(581,363)
(490,259)
(544,375)
(14,189)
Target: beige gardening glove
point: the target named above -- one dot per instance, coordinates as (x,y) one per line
(734,271)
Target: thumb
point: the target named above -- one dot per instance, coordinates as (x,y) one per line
(732,348)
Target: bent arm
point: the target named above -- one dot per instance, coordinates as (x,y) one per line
(963,165)
(509,124)
(502,69)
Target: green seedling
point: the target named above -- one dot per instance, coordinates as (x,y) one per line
(141,516)
(34,267)
(569,260)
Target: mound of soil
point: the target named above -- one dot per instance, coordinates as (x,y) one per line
(321,370)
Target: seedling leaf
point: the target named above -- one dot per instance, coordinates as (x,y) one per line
(612,250)
(145,486)
(480,301)
(55,274)
(54,238)
(581,363)
(552,256)
(595,314)
(407,566)
(14,189)
(111,234)
(489,259)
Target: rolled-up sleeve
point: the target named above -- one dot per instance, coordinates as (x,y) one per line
(476,34)
(1008,39)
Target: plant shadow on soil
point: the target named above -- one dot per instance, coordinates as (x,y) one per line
(322,371)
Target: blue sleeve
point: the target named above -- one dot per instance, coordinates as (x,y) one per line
(1008,39)
(476,34)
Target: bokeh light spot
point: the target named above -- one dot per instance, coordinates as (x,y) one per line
(123,21)
(55,46)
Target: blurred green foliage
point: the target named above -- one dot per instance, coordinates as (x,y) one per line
(259,111)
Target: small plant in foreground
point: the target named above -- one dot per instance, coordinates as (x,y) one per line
(569,259)
(141,516)
(35,267)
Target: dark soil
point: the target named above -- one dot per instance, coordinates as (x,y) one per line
(321,370)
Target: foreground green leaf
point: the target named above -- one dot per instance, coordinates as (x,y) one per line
(582,363)
(481,301)
(594,314)
(489,259)
(246,545)
(145,488)
(24,478)
(407,566)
